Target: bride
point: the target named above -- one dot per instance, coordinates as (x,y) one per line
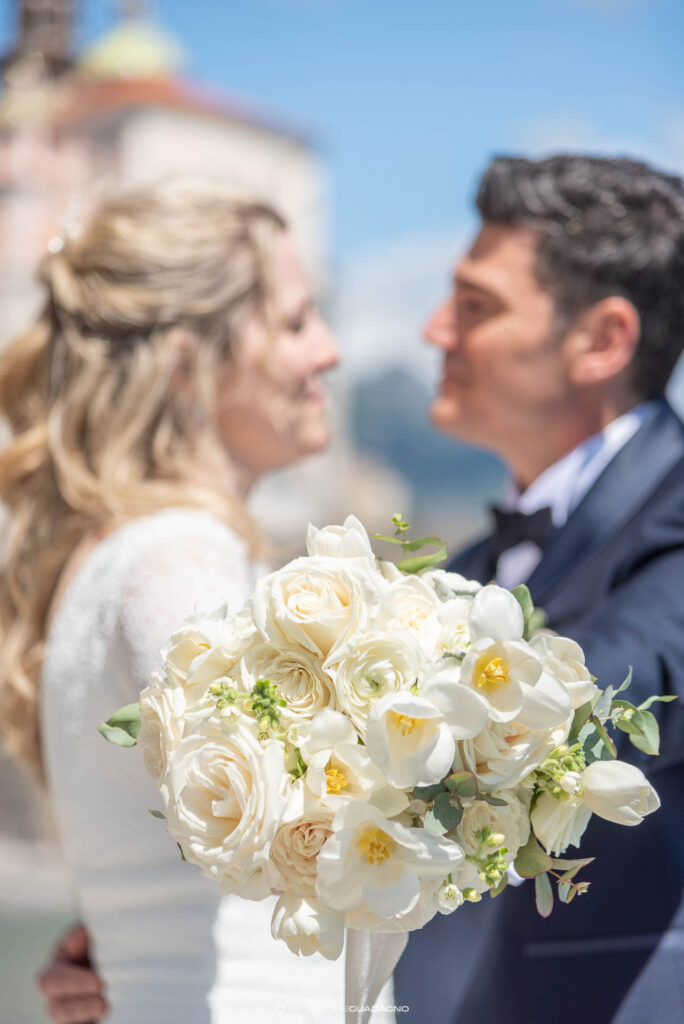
(178,357)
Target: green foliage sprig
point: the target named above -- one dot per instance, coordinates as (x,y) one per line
(415,563)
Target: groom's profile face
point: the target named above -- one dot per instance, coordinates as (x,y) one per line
(504,367)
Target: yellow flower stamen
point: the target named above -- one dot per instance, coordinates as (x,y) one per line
(336,779)
(491,673)
(404,723)
(375,845)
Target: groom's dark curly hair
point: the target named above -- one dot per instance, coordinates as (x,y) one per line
(607,227)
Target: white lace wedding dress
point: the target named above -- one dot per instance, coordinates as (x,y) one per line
(170,949)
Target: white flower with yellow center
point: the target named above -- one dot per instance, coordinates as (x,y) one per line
(411,738)
(505,670)
(339,769)
(372,863)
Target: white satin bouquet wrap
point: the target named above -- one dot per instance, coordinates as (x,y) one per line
(378,743)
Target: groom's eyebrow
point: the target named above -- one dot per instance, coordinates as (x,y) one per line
(461,282)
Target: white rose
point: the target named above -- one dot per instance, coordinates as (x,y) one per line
(204,650)
(297,842)
(307,927)
(298,673)
(564,660)
(618,792)
(505,752)
(347,541)
(378,662)
(451,627)
(161,726)
(450,585)
(415,602)
(558,824)
(224,803)
(318,602)
(510,823)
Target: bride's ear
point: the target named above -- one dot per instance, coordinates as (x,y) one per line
(602,343)
(182,349)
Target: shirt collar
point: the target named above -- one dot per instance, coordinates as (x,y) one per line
(563,485)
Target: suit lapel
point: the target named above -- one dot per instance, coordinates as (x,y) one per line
(623,487)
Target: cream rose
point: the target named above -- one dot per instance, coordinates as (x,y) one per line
(510,823)
(347,541)
(318,602)
(298,840)
(225,800)
(298,673)
(505,752)
(161,726)
(379,662)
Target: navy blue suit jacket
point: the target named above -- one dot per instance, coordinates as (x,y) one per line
(613,579)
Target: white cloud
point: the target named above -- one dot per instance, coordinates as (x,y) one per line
(383,297)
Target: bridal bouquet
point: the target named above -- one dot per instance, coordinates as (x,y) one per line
(376,743)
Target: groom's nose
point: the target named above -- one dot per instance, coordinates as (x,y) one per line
(441,329)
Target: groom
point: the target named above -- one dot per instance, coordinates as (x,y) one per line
(566,320)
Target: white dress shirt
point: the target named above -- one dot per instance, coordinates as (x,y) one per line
(561,487)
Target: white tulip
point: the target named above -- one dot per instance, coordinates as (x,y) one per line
(618,792)
(371,863)
(347,541)
(339,769)
(409,740)
(558,824)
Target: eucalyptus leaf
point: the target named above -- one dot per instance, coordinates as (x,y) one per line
(181,851)
(607,740)
(428,793)
(536,621)
(493,801)
(648,740)
(626,681)
(524,599)
(447,810)
(543,894)
(564,890)
(652,700)
(420,562)
(532,860)
(580,719)
(464,783)
(123,727)
(602,709)
(389,540)
(157,814)
(423,542)
(561,864)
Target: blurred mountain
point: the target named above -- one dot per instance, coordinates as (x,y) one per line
(451,483)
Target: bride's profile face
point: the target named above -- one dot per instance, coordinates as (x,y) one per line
(271,406)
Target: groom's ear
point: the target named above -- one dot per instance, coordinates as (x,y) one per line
(602,342)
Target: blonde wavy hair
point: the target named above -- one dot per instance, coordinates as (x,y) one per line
(160,281)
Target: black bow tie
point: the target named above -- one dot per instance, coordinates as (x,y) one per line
(511,528)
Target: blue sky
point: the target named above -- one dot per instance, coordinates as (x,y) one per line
(408,100)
